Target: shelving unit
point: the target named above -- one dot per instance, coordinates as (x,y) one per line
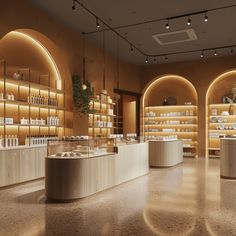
(178,120)
(219,124)
(20,91)
(101,120)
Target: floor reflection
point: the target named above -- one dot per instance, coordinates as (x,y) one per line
(189,199)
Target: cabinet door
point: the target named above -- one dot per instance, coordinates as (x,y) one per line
(27,164)
(9,167)
(41,153)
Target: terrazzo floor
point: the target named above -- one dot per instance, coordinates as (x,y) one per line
(189,199)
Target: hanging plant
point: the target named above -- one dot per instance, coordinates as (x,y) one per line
(82,98)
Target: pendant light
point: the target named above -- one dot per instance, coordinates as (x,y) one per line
(117,96)
(104,64)
(84,86)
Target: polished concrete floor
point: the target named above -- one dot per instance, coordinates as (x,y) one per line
(189,199)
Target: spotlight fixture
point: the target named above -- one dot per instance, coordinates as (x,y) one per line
(232,50)
(146,61)
(189,21)
(73,6)
(131,48)
(215,53)
(202,55)
(166,57)
(167,24)
(97,23)
(154,59)
(206,18)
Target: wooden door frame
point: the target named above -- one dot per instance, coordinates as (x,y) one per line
(138,97)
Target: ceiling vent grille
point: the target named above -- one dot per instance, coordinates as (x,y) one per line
(175,37)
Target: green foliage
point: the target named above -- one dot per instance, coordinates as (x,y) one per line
(82,98)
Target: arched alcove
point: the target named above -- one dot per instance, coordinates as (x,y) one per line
(177,120)
(220,116)
(32,86)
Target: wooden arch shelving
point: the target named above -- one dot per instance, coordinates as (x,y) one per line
(178,120)
(220,117)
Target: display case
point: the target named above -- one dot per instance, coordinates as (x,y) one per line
(80,147)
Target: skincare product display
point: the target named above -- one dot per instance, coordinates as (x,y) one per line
(75,137)
(189,154)
(53,120)
(39,139)
(10,97)
(7,120)
(41,100)
(9,141)
(162,138)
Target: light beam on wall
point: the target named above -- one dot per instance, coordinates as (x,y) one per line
(42,48)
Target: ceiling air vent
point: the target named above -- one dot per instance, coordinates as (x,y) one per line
(175,37)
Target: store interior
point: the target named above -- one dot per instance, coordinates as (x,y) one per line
(114,125)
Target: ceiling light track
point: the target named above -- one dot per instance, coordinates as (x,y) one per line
(205,12)
(147,56)
(215,49)
(108,26)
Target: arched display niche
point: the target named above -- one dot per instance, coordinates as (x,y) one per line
(38,61)
(217,119)
(173,120)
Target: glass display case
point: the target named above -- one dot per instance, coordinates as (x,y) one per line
(80,147)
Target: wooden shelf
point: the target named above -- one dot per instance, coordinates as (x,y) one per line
(101,108)
(170,117)
(171,132)
(31,85)
(165,125)
(23,103)
(171,107)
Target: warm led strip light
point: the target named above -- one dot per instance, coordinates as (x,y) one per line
(42,48)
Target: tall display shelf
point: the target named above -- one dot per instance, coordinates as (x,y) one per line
(32,108)
(101,119)
(178,121)
(221,122)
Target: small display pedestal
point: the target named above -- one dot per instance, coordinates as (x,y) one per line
(165,153)
(228,158)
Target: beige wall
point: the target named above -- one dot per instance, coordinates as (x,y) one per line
(200,73)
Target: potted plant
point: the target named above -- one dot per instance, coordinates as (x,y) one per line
(81,96)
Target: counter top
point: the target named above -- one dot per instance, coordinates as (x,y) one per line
(22,147)
(168,140)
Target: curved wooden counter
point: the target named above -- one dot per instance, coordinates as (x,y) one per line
(228,158)
(165,153)
(73,178)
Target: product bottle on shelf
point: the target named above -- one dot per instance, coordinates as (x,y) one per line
(1,95)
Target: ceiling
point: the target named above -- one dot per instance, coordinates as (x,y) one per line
(217,32)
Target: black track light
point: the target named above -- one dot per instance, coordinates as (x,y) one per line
(189,21)
(97,23)
(73,6)
(215,53)
(131,48)
(146,61)
(154,59)
(202,55)
(206,18)
(166,57)
(232,50)
(167,24)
